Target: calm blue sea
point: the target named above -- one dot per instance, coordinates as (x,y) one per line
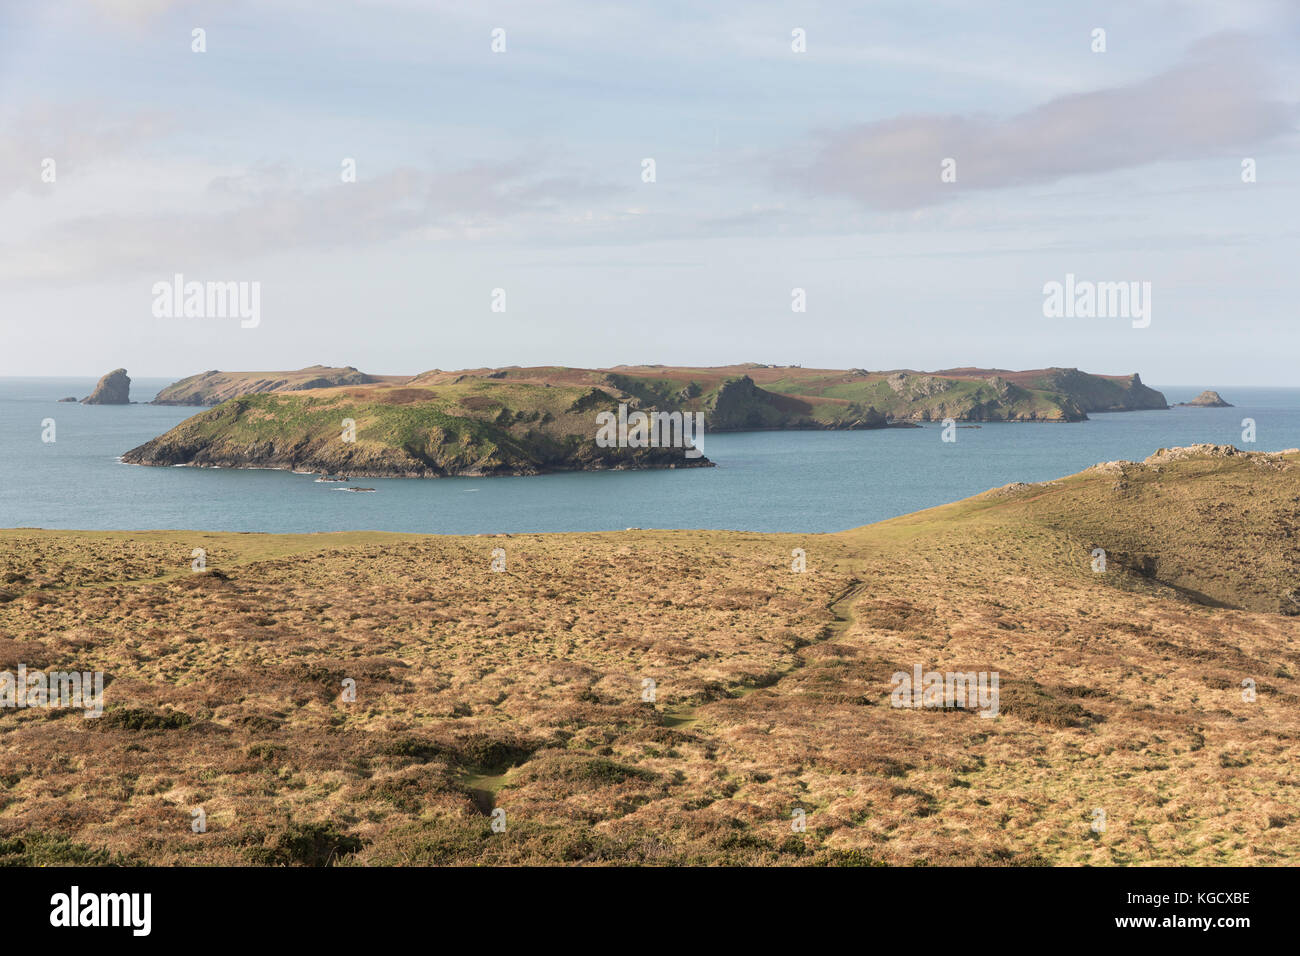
(764,481)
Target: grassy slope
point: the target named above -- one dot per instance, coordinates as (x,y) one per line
(522,689)
(214,387)
(477,427)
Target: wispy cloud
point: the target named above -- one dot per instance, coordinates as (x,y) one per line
(135,10)
(75,136)
(1217,99)
(265,211)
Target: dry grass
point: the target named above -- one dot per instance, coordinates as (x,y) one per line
(522,690)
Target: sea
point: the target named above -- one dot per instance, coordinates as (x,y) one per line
(795,481)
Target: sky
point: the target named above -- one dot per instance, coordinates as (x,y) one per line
(795,146)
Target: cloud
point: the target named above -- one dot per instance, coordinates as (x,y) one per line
(134,10)
(1216,99)
(75,136)
(265,211)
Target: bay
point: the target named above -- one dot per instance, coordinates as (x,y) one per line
(764,481)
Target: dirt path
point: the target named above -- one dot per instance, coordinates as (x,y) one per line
(483,788)
(841,607)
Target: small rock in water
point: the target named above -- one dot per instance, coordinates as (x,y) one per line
(1207,399)
(113,389)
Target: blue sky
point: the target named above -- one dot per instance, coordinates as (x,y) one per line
(774,170)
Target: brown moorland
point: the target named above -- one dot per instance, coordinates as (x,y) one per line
(523,690)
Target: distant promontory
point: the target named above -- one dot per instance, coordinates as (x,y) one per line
(213,388)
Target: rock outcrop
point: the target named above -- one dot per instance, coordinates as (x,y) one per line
(1207,399)
(113,389)
(912,387)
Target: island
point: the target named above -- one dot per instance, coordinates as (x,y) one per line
(471,428)
(113,389)
(1207,399)
(525,421)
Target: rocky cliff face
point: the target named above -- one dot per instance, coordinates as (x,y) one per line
(931,398)
(1101,393)
(740,405)
(113,389)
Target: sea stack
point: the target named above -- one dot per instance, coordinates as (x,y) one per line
(1207,399)
(113,389)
